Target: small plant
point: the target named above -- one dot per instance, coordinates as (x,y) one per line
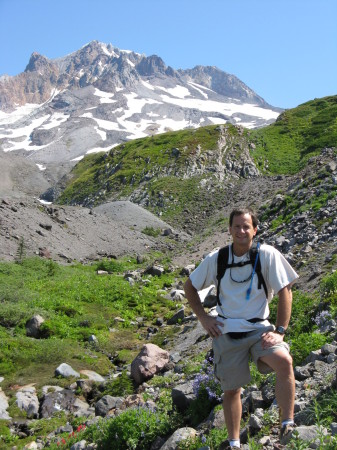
(67,440)
(150,231)
(321,318)
(121,386)
(21,251)
(207,390)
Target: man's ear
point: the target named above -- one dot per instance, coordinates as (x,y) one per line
(255,231)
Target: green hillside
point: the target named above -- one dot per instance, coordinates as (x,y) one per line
(179,171)
(299,133)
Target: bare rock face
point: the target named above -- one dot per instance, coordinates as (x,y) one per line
(150,361)
(34,85)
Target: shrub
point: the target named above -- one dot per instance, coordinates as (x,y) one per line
(150,231)
(121,386)
(305,343)
(135,428)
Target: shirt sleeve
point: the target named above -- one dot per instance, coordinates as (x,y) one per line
(279,272)
(205,274)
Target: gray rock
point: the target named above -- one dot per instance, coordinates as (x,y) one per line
(27,400)
(4,406)
(183,395)
(80,445)
(57,401)
(179,435)
(177,317)
(33,326)
(107,403)
(66,371)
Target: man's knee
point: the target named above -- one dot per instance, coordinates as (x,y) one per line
(232,393)
(280,361)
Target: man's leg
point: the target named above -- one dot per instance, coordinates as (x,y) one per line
(232,408)
(281,362)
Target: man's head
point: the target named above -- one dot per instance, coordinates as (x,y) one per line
(242,211)
(242,227)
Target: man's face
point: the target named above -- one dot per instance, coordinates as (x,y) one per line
(242,230)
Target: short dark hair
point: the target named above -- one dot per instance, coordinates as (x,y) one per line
(242,211)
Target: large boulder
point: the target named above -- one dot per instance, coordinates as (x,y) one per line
(33,326)
(27,400)
(66,371)
(150,361)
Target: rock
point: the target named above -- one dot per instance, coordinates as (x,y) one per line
(177,295)
(311,434)
(150,361)
(45,226)
(3,406)
(33,326)
(80,445)
(183,395)
(177,317)
(255,423)
(107,403)
(179,435)
(187,270)
(92,375)
(155,270)
(65,370)
(27,400)
(57,401)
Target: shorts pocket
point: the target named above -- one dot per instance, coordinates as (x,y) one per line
(217,361)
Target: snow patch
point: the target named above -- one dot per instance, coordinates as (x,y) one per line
(56,120)
(41,167)
(105,97)
(101,133)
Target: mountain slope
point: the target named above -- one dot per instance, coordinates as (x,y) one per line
(180,173)
(100,96)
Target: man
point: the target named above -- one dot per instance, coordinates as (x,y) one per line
(241,328)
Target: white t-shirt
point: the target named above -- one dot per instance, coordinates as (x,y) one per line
(277,273)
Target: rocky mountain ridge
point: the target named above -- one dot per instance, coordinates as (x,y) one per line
(58,110)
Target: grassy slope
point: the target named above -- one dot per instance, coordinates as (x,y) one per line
(297,135)
(75,303)
(153,168)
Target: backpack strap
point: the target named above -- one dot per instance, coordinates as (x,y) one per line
(253,255)
(222,265)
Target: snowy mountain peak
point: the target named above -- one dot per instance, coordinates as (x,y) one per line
(99,96)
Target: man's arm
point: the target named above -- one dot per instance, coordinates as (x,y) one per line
(283,317)
(285,299)
(209,323)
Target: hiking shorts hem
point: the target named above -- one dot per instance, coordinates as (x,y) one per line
(232,356)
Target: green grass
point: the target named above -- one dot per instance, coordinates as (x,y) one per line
(297,134)
(115,174)
(75,303)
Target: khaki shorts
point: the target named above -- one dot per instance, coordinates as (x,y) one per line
(231,358)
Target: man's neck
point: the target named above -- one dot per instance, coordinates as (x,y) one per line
(240,250)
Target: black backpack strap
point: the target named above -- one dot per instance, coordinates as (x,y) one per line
(253,254)
(222,265)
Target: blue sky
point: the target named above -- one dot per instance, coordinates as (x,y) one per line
(285,50)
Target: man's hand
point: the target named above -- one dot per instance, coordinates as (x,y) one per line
(211,325)
(271,338)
